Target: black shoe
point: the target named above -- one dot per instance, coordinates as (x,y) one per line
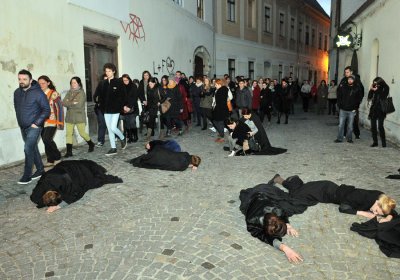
(271,182)
(337,141)
(357,136)
(111,152)
(226,148)
(123,144)
(24,180)
(37,175)
(350,141)
(203,128)
(374,145)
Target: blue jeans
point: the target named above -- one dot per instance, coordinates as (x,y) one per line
(31,137)
(112,127)
(101,126)
(343,116)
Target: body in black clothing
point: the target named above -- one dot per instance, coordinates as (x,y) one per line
(377,96)
(72,179)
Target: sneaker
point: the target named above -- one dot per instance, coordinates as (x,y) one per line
(226,148)
(337,141)
(123,143)
(112,152)
(24,180)
(233,153)
(37,175)
(213,129)
(219,140)
(99,144)
(374,145)
(350,141)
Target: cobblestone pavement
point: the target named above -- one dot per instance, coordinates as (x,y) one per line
(187,225)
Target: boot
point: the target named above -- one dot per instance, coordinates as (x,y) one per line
(279,118)
(135,135)
(91,146)
(69,151)
(286,120)
(129,135)
(148,136)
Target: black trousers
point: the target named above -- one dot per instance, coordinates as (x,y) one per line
(206,113)
(306,102)
(50,147)
(380,121)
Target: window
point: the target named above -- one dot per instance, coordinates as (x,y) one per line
(307,35)
(313,37)
(200,9)
(325,43)
(231,10)
(280,73)
(267,19)
(300,34)
(292,28)
(251,14)
(231,68)
(320,41)
(251,70)
(178,2)
(282,24)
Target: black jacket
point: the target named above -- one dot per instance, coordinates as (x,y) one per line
(221,111)
(377,98)
(31,106)
(349,97)
(112,96)
(132,98)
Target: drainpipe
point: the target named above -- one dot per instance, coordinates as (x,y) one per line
(338,8)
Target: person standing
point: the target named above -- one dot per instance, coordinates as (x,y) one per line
(55,121)
(243,97)
(220,109)
(377,95)
(349,98)
(112,102)
(283,98)
(322,94)
(131,110)
(75,101)
(332,97)
(101,122)
(31,109)
(305,95)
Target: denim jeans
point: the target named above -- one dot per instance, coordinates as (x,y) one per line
(112,126)
(343,116)
(101,127)
(31,136)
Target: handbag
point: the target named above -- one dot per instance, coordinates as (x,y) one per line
(387,105)
(253,144)
(229,104)
(145,117)
(165,106)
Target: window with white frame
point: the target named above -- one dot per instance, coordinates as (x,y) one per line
(251,70)
(280,73)
(231,10)
(267,19)
(251,13)
(231,68)
(200,9)
(282,24)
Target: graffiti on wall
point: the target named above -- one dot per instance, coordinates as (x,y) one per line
(166,65)
(134,29)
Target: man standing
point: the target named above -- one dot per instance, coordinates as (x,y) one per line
(243,97)
(348,100)
(31,108)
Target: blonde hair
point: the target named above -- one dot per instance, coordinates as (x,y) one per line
(386,203)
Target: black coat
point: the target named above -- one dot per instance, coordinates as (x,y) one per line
(142,93)
(175,98)
(266,99)
(377,98)
(153,98)
(132,99)
(164,159)
(241,132)
(221,111)
(112,96)
(72,179)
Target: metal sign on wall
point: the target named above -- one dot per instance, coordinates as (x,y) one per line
(344,40)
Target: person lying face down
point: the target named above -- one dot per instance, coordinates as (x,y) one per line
(168,144)
(68,181)
(356,201)
(164,159)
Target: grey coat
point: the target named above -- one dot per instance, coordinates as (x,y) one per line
(76,112)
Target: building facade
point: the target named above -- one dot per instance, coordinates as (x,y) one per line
(272,38)
(372,25)
(69,38)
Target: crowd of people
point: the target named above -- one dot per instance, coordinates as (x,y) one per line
(130,109)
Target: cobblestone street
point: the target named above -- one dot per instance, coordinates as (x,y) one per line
(187,225)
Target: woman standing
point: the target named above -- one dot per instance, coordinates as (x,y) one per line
(265,102)
(195,93)
(220,109)
(172,115)
(377,95)
(206,102)
(131,110)
(75,101)
(54,122)
(112,102)
(322,94)
(255,93)
(332,97)
(151,105)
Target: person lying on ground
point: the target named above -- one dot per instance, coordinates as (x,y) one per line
(68,181)
(164,159)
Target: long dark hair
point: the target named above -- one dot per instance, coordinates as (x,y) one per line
(47,79)
(78,80)
(380,83)
(274,226)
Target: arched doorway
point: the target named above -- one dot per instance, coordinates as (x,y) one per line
(202,63)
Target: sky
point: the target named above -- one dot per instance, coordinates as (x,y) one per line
(326,4)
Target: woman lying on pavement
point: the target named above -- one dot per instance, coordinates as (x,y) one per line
(164,159)
(366,203)
(68,181)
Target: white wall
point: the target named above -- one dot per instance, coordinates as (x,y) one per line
(349,7)
(46,41)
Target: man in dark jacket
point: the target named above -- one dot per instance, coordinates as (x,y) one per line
(348,100)
(32,108)
(243,97)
